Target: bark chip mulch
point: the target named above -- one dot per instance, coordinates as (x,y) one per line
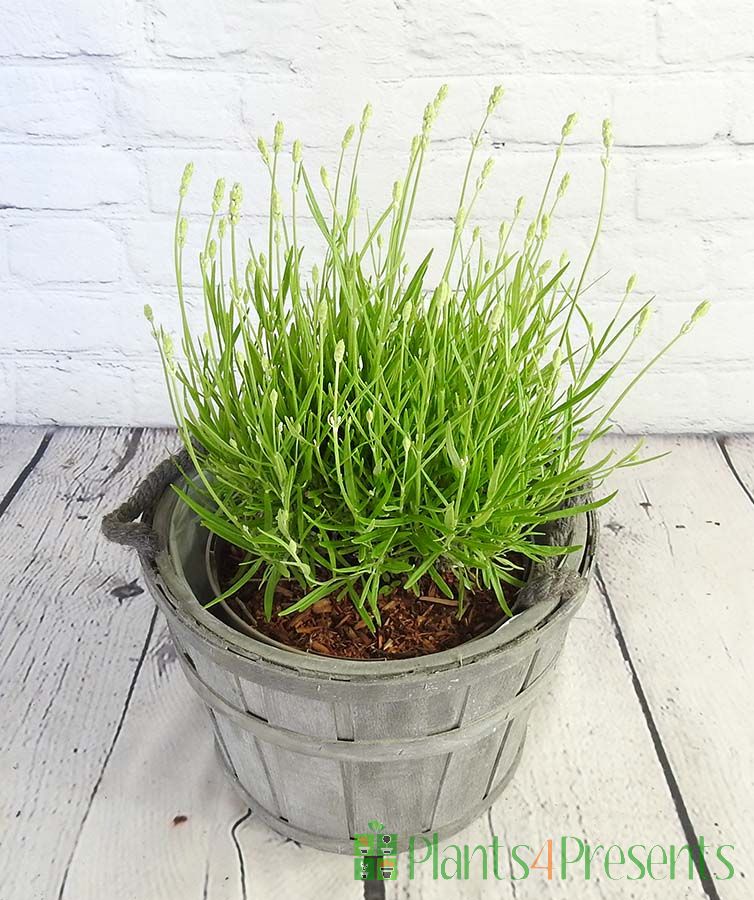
(411,625)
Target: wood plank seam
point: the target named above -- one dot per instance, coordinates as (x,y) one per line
(233,828)
(132,445)
(13,490)
(732,466)
(263,855)
(689,831)
(116,735)
(374,890)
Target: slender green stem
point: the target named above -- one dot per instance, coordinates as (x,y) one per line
(363,427)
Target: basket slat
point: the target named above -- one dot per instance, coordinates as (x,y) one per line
(319,748)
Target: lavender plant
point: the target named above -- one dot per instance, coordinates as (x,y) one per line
(354,427)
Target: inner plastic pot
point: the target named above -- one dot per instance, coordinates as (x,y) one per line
(188,569)
(237,615)
(235,611)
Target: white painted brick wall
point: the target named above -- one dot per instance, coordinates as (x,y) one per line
(101,104)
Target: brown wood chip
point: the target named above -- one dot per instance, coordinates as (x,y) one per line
(333,626)
(443,601)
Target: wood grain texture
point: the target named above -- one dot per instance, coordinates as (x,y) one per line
(678,569)
(738,452)
(104,744)
(18,447)
(73,628)
(164,766)
(589,770)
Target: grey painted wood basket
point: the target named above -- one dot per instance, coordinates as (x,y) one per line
(318,747)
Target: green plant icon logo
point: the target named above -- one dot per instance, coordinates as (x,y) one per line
(375,853)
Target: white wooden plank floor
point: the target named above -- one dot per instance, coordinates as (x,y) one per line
(647,738)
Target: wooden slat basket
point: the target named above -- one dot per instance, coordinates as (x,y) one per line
(318,747)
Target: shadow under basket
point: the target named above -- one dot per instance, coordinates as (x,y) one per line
(318,747)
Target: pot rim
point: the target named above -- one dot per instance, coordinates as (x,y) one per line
(248,629)
(169,584)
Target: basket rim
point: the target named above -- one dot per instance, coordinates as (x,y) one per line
(235,651)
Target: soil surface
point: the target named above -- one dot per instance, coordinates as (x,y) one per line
(411,625)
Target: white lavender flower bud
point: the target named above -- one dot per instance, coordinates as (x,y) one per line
(182,231)
(641,322)
(702,309)
(186,179)
(324,177)
(262,146)
(347,137)
(607,134)
(148,314)
(217,197)
(168,346)
(442,93)
(563,186)
(277,208)
(365,117)
(568,125)
(297,151)
(340,352)
(234,207)
(520,206)
(495,97)
(631,283)
(277,140)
